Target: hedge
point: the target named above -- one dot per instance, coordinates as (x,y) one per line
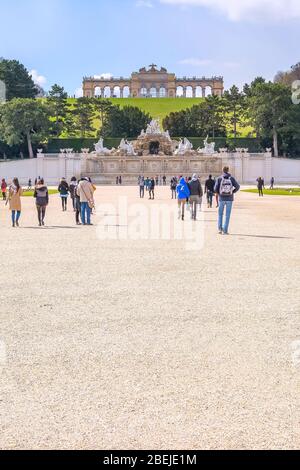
(55,145)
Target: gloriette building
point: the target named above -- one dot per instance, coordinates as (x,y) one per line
(152,83)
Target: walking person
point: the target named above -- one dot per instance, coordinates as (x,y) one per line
(196,194)
(209,191)
(85,192)
(41,195)
(164,180)
(173,187)
(142,187)
(151,188)
(77,206)
(226,186)
(64,190)
(14,198)
(272,182)
(120,181)
(147,184)
(183,193)
(73,188)
(260,186)
(4,189)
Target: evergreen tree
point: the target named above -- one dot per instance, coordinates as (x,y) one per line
(58,103)
(18,82)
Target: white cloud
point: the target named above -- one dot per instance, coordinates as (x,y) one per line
(196,62)
(38,79)
(79,92)
(144,3)
(237,10)
(105,76)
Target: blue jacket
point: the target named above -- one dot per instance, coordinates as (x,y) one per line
(235,184)
(182,189)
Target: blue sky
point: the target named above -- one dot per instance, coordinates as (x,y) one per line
(63,40)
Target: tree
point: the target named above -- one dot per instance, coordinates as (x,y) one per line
(201,120)
(102,108)
(24,120)
(83,114)
(234,103)
(18,82)
(124,122)
(57,100)
(287,78)
(269,108)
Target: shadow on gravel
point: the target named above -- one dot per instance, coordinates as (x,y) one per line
(260,236)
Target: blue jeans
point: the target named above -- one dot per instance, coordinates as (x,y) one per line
(85,211)
(15,216)
(222,205)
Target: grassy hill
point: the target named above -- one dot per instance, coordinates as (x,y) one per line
(159,108)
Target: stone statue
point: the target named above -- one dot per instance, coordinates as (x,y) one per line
(188,146)
(209,149)
(154,128)
(127,148)
(167,135)
(184,147)
(100,149)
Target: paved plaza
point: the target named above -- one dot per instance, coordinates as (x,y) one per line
(139,344)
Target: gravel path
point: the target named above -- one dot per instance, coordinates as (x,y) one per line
(144,344)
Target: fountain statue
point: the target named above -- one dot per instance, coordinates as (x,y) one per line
(184,147)
(154,128)
(209,149)
(127,147)
(100,149)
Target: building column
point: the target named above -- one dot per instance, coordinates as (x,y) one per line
(121,92)
(194,92)
(184,91)
(112,91)
(157,92)
(203,92)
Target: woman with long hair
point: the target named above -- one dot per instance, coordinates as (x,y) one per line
(64,190)
(14,197)
(41,195)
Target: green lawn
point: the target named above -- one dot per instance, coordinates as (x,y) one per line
(276,191)
(159,108)
(30,193)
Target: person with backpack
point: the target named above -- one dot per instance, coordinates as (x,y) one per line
(64,190)
(151,188)
(73,188)
(226,186)
(196,194)
(183,193)
(209,191)
(173,187)
(41,195)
